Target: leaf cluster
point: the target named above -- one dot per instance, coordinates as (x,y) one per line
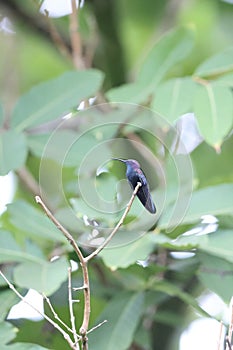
(138,284)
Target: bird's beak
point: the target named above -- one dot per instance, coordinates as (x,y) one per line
(121,160)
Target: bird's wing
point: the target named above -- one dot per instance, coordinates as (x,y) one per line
(142,178)
(146,199)
(144,194)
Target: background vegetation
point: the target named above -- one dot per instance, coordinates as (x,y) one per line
(173,58)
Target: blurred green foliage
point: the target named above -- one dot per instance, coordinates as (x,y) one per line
(169,65)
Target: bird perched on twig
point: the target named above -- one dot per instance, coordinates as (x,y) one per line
(134,175)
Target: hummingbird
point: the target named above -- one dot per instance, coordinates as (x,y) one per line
(134,175)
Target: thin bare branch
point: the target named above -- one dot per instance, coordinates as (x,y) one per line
(56,37)
(83,263)
(87,304)
(229,347)
(97,326)
(230,329)
(55,325)
(220,336)
(72,318)
(61,228)
(56,315)
(79,288)
(108,239)
(75,38)
(28,180)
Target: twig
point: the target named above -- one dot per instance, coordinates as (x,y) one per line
(230,329)
(78,288)
(72,318)
(97,326)
(55,325)
(56,315)
(228,343)
(56,37)
(231,320)
(105,243)
(83,263)
(28,180)
(200,81)
(220,336)
(84,327)
(61,228)
(75,38)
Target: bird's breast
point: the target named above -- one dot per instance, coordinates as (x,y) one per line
(133,179)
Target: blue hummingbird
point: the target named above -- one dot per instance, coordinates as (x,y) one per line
(134,175)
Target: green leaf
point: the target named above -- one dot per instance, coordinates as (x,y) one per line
(90,162)
(11,251)
(33,222)
(7,300)
(132,92)
(65,147)
(1,115)
(215,200)
(175,291)
(226,80)
(220,168)
(7,333)
(122,314)
(169,50)
(33,332)
(13,151)
(216,274)
(213,107)
(51,99)
(174,98)
(37,143)
(45,278)
(24,346)
(219,243)
(220,63)
(95,210)
(127,255)
(134,278)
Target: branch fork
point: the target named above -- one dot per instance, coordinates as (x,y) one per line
(81,336)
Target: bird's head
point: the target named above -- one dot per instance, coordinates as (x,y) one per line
(129,162)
